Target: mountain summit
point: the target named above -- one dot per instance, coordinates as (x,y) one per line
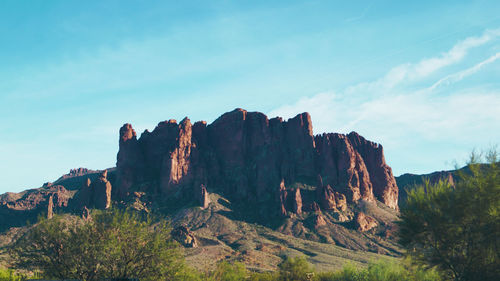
(254,159)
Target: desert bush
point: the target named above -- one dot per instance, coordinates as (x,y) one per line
(11,275)
(295,269)
(113,244)
(228,272)
(381,271)
(456,229)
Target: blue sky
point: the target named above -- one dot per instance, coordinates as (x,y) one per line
(420,77)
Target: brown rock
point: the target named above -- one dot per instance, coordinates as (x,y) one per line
(327,198)
(282,198)
(315,207)
(297,201)
(202,196)
(176,163)
(101,191)
(340,201)
(384,184)
(86,214)
(18,208)
(185,237)
(130,162)
(50,206)
(95,194)
(364,223)
(319,220)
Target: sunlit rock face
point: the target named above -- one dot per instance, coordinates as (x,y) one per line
(251,158)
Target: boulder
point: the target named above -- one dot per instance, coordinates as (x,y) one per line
(185,237)
(363,222)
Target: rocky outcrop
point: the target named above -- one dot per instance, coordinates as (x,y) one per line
(384,184)
(326,197)
(95,194)
(50,207)
(130,162)
(319,220)
(18,208)
(246,156)
(363,222)
(101,196)
(282,199)
(202,196)
(184,236)
(297,201)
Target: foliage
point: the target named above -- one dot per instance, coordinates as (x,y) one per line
(381,271)
(11,275)
(457,228)
(295,269)
(228,272)
(113,244)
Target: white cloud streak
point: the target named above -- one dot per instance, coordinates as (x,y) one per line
(403,114)
(454,55)
(408,72)
(456,77)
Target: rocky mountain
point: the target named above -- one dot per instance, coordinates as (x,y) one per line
(255,159)
(231,185)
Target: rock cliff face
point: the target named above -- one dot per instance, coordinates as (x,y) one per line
(95,194)
(255,159)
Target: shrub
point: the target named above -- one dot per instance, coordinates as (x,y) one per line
(456,228)
(114,244)
(382,271)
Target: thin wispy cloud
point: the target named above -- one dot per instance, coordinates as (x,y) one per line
(455,55)
(456,77)
(398,108)
(413,72)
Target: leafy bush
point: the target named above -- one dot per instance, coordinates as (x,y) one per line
(457,228)
(295,269)
(380,272)
(11,275)
(113,244)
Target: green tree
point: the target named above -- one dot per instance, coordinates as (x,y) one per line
(113,244)
(457,228)
(296,269)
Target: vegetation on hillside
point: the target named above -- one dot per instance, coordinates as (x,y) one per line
(113,244)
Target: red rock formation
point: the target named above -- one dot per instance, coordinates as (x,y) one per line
(246,155)
(95,194)
(341,165)
(101,195)
(384,184)
(326,197)
(17,208)
(184,236)
(282,195)
(319,220)
(129,161)
(364,223)
(340,201)
(297,201)
(50,207)
(202,196)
